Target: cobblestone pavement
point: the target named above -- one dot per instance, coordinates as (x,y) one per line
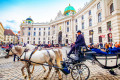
(10,70)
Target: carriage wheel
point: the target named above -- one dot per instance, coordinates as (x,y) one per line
(80,72)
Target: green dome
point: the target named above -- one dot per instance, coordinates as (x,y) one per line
(68,9)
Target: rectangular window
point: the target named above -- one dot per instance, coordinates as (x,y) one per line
(28,33)
(34,33)
(90,22)
(49,28)
(29,28)
(99,17)
(34,28)
(44,28)
(68,23)
(33,42)
(49,33)
(76,20)
(100,39)
(99,30)
(89,12)
(39,28)
(44,33)
(76,28)
(83,25)
(39,33)
(98,5)
(111,8)
(38,42)
(82,17)
(109,26)
(67,29)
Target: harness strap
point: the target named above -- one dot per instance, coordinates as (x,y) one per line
(49,56)
(32,54)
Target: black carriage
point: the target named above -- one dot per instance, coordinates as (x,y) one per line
(80,71)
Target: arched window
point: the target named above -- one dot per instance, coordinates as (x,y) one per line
(99,17)
(90,22)
(111,8)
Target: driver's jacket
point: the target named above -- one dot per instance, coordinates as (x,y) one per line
(80,41)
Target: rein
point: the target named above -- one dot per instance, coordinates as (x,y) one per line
(20,56)
(42,64)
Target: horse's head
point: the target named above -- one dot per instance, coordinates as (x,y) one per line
(10,52)
(18,50)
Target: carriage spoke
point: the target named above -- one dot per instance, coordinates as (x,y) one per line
(80,72)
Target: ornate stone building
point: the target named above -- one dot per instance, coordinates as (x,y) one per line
(99,21)
(10,36)
(1,33)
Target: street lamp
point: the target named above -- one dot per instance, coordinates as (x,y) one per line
(92,36)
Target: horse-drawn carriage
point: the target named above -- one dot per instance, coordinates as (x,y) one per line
(75,66)
(80,71)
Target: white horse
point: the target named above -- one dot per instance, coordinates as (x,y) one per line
(44,56)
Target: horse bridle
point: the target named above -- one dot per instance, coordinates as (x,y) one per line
(14,53)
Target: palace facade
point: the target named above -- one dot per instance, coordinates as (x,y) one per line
(99,21)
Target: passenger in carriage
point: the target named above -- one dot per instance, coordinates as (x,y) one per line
(99,51)
(114,50)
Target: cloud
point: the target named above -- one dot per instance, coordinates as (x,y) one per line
(11,21)
(11,24)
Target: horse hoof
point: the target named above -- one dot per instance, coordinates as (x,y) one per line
(25,76)
(60,78)
(45,77)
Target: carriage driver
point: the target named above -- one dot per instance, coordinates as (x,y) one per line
(80,41)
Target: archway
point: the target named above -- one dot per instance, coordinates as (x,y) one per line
(60,37)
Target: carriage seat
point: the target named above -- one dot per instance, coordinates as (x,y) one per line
(82,49)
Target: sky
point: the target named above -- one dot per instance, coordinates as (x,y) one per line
(13,12)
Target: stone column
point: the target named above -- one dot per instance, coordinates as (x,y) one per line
(72,31)
(103,9)
(116,4)
(64,31)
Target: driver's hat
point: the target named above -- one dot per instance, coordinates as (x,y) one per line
(78,31)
